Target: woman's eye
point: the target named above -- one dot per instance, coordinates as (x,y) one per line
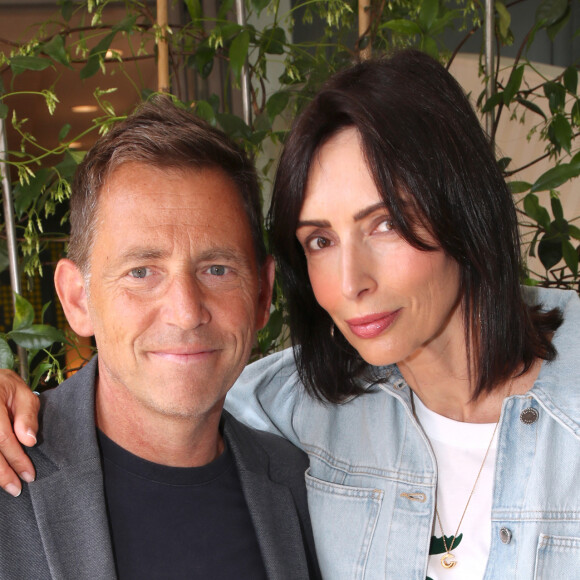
(386,225)
(217,270)
(318,243)
(139,272)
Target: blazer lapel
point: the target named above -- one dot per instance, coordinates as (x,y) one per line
(68,495)
(271,506)
(72,519)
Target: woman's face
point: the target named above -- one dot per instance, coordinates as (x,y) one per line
(391,301)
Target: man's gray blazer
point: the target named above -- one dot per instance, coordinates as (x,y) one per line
(58,528)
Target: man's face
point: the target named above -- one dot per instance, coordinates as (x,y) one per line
(175,295)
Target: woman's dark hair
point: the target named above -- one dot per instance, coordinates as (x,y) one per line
(433,165)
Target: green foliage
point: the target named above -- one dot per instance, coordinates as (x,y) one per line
(284,74)
(33,338)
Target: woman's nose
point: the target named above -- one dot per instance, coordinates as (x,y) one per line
(357,277)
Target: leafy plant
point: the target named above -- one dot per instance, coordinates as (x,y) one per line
(34,338)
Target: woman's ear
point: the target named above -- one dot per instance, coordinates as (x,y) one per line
(71,288)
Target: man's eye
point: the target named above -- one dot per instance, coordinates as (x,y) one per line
(217,270)
(139,272)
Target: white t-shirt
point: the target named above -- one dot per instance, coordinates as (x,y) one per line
(459,449)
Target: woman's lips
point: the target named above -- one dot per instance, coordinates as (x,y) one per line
(373,324)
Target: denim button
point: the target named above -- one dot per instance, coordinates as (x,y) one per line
(400,385)
(529,416)
(505,535)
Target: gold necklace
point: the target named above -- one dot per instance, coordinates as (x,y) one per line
(448,559)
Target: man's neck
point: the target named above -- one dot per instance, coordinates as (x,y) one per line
(171,440)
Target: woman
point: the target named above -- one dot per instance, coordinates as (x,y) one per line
(434,396)
(397,243)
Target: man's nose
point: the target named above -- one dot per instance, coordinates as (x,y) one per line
(357,274)
(184,303)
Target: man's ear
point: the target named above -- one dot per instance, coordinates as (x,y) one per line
(265,297)
(70,287)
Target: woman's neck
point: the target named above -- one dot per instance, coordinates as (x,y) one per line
(445,386)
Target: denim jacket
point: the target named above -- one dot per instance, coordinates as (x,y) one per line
(372,477)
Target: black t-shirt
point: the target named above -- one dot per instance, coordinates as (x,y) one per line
(177,522)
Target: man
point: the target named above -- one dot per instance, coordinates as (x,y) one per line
(168,271)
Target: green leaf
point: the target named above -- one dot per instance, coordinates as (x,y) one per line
(126,25)
(41,369)
(91,68)
(238,53)
(549,252)
(555,177)
(575,114)
(56,50)
(6,355)
(66,9)
(4,262)
(3,110)
(277,103)
(233,125)
(574,231)
(550,11)
(203,60)
(557,210)
(268,335)
(20,64)
(503,20)
(519,186)
(428,13)
(492,102)
(205,111)
(503,163)
(513,85)
(555,28)
(259,5)
(571,79)
(444,21)
(402,27)
(570,254)
(429,46)
(226,6)
(103,45)
(556,95)
(194,9)
(535,211)
(25,194)
(273,40)
(24,314)
(531,106)
(37,336)
(65,130)
(560,132)
(69,163)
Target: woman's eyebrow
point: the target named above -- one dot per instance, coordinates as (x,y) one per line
(363,213)
(313,223)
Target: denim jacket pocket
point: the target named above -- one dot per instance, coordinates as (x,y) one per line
(344,520)
(557,558)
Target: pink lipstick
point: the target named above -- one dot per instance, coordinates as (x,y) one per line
(373,324)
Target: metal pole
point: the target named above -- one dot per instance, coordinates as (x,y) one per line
(11,238)
(162,48)
(245,78)
(489,68)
